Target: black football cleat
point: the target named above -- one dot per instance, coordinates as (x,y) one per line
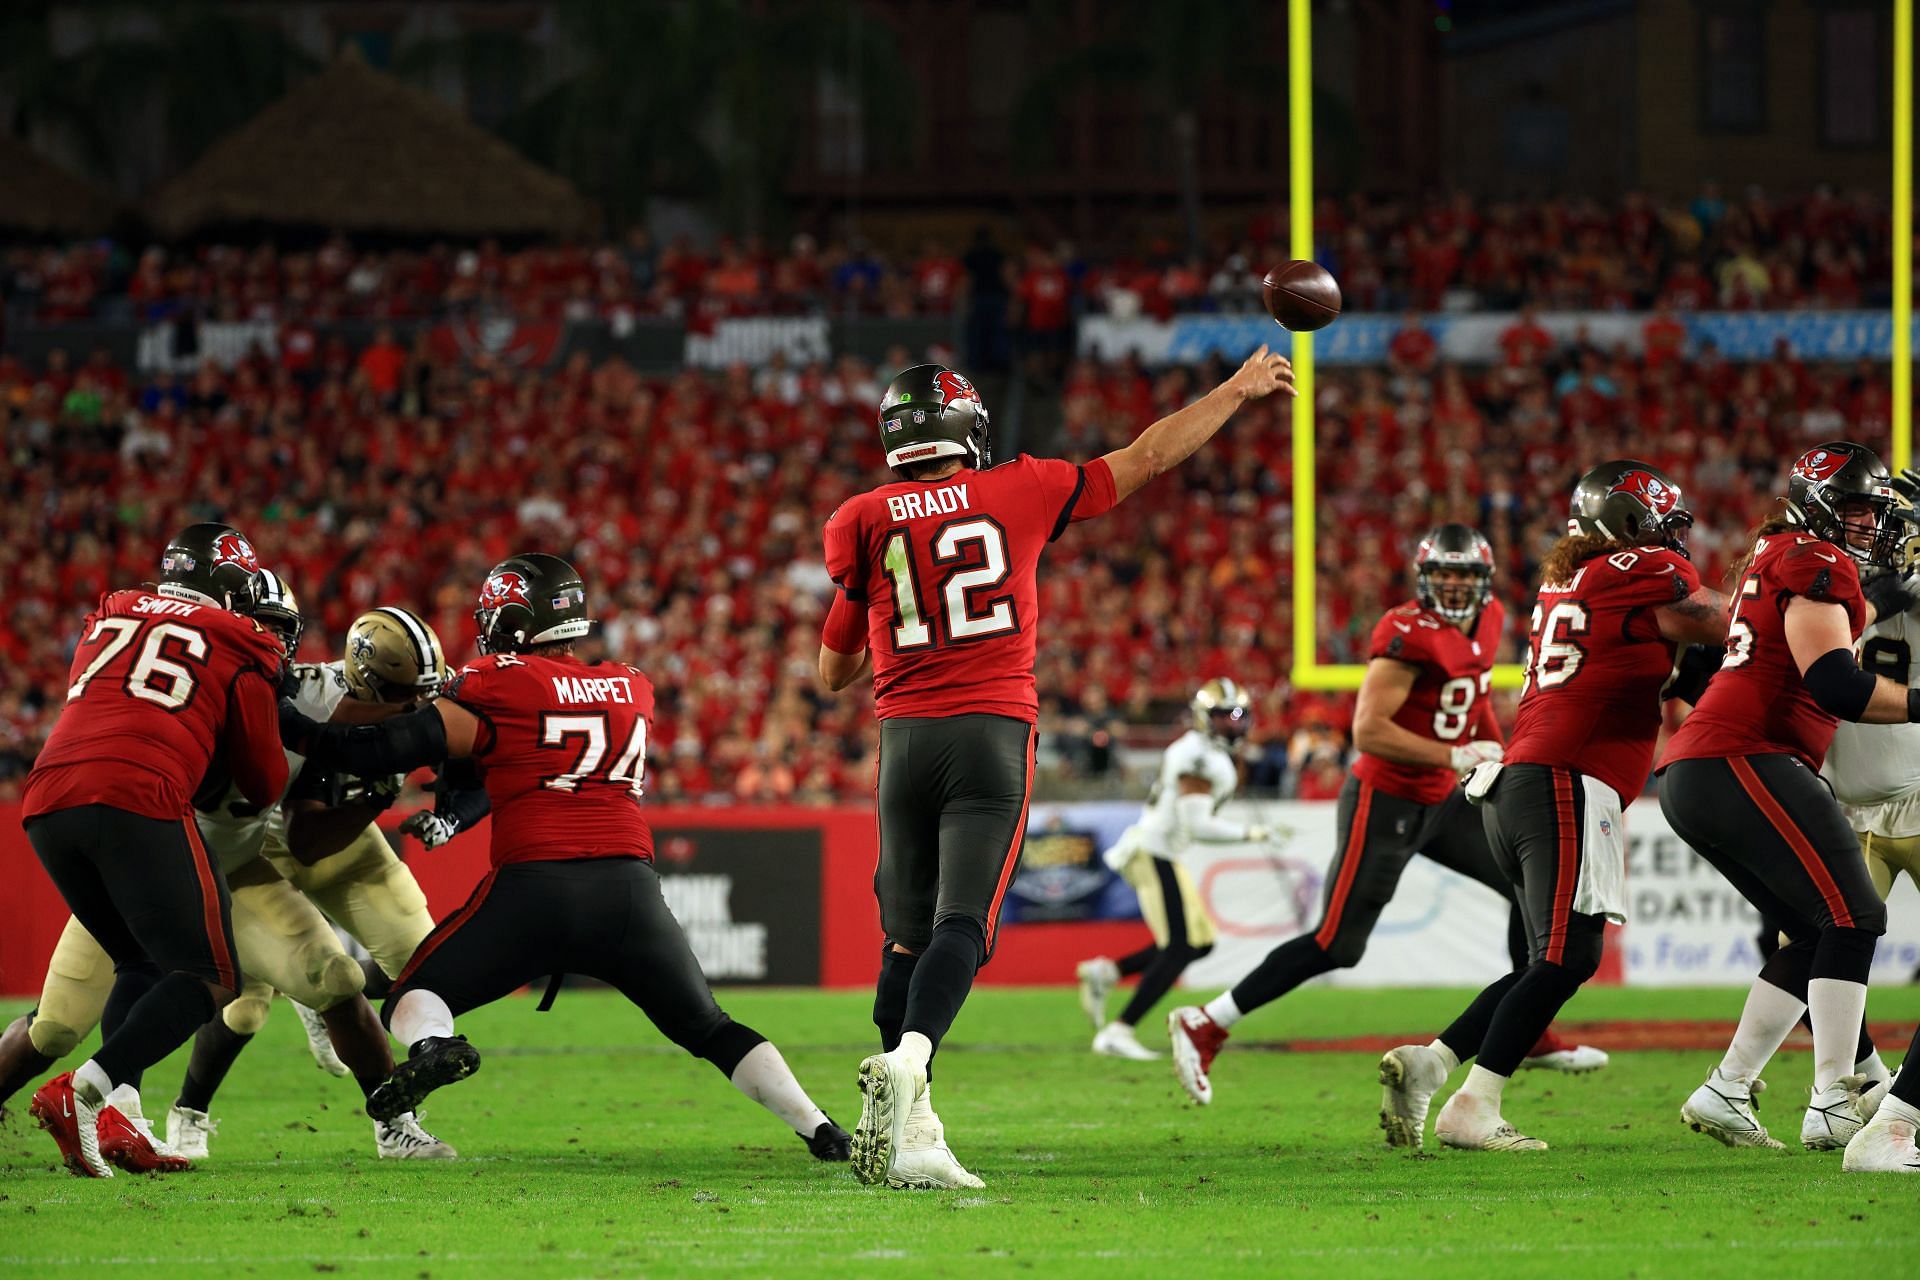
(432,1062)
(829,1142)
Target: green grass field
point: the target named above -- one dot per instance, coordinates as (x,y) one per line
(591,1147)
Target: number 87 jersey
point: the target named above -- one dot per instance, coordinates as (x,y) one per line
(946,572)
(1596,663)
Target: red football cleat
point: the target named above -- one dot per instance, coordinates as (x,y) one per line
(1195,1039)
(126,1139)
(73,1125)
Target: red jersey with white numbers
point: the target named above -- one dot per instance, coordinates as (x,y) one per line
(160,690)
(1758,704)
(1596,662)
(1448,700)
(947,572)
(562,750)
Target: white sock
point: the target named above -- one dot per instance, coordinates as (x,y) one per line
(1895,1109)
(420,1014)
(1836,1007)
(1767,1020)
(1485,1085)
(763,1076)
(918,1048)
(1448,1058)
(89,1074)
(1223,1010)
(1873,1069)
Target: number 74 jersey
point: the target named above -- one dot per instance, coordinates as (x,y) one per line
(947,572)
(562,749)
(1596,662)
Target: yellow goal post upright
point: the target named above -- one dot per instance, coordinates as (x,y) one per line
(1308,671)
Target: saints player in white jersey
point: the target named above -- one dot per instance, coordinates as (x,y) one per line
(283,940)
(1198,774)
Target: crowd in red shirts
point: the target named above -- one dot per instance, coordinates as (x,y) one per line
(693,506)
(1709,251)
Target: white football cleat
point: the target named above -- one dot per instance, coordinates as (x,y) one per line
(319,1043)
(923,1162)
(1409,1077)
(1833,1117)
(1117,1040)
(1723,1109)
(1886,1143)
(890,1083)
(1467,1123)
(1196,1040)
(188,1132)
(402,1138)
(1097,977)
(1574,1059)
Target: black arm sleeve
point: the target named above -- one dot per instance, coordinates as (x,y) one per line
(463,808)
(399,745)
(1839,685)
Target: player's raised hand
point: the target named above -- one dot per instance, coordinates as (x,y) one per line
(1263,374)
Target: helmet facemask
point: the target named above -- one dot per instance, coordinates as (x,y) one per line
(1870,529)
(1456,592)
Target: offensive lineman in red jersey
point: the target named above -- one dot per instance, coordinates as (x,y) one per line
(1422,719)
(169,687)
(561,747)
(1617,597)
(936,591)
(1740,783)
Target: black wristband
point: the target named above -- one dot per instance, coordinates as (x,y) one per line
(1839,685)
(1913,706)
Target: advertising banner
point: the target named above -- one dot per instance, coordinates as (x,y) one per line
(749,900)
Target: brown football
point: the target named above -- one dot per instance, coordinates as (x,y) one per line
(1302,296)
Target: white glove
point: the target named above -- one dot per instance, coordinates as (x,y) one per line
(432,829)
(1257,834)
(1469,754)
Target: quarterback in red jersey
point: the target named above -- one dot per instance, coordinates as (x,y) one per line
(561,747)
(1422,719)
(170,687)
(1740,783)
(935,588)
(1617,597)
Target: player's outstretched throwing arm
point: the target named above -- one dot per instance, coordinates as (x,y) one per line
(1178,436)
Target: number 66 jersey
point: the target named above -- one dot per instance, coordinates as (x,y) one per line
(562,749)
(1595,666)
(946,571)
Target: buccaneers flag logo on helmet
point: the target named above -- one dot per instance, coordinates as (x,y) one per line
(231,548)
(952,386)
(1659,496)
(503,589)
(1818,464)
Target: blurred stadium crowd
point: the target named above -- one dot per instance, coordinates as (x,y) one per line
(694,503)
(1712,251)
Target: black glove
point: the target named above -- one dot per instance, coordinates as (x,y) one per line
(1887,592)
(1690,675)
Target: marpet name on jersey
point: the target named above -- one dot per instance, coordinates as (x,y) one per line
(592,689)
(934,502)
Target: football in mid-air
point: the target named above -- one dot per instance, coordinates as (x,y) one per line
(1302,296)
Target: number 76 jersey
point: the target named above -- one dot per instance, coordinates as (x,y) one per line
(562,749)
(1596,663)
(947,572)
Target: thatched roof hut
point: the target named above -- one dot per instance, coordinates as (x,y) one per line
(38,197)
(355,149)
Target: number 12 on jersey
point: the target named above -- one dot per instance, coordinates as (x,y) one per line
(957,620)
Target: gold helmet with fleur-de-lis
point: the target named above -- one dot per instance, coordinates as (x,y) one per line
(392,655)
(1222,709)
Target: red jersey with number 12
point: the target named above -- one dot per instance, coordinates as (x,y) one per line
(1595,665)
(1447,701)
(948,573)
(160,689)
(562,749)
(1757,703)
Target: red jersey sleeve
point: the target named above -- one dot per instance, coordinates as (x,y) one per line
(251,745)
(1400,636)
(845,565)
(845,630)
(1070,493)
(474,688)
(1818,571)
